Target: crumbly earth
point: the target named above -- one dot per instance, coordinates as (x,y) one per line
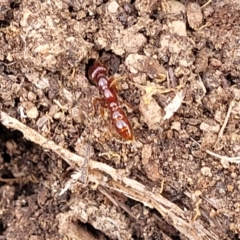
(180,63)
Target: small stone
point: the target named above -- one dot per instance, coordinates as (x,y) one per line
(197,193)
(178,27)
(230,188)
(212,213)
(175,7)
(32,112)
(208,128)
(133,41)
(221,191)
(194,15)
(151,112)
(113,7)
(9,57)
(206,171)
(215,62)
(58,115)
(233,175)
(32,97)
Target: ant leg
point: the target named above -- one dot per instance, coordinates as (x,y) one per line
(113,81)
(113,84)
(102,103)
(128,106)
(99,101)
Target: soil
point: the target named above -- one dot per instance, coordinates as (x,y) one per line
(64,171)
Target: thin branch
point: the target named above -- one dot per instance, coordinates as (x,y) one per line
(229,159)
(205,4)
(220,134)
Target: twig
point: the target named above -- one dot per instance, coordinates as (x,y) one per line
(205,4)
(105,192)
(229,159)
(201,84)
(224,123)
(84,170)
(197,209)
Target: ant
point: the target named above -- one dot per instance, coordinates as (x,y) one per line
(97,73)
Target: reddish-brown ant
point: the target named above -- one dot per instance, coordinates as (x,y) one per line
(98,74)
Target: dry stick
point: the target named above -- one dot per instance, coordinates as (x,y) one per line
(225,122)
(105,192)
(129,187)
(205,4)
(226,158)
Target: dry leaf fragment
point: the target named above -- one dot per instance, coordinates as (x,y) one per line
(174,105)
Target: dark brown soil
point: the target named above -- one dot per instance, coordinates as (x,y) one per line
(64,171)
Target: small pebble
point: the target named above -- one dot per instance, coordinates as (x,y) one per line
(206,171)
(113,7)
